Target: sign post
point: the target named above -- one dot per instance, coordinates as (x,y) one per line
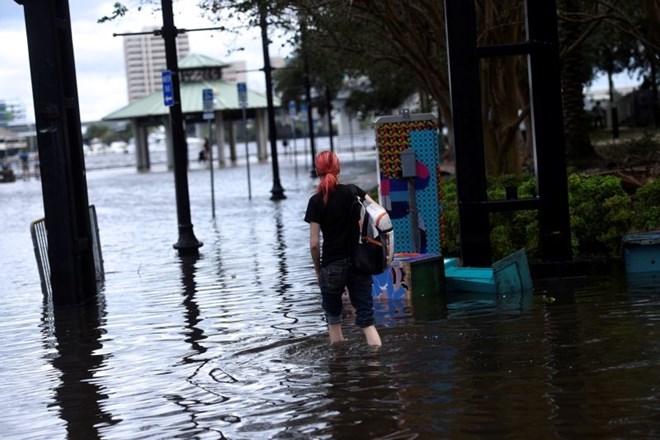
(303,117)
(187,243)
(292,115)
(207,101)
(242,100)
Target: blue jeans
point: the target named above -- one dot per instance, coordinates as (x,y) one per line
(333,279)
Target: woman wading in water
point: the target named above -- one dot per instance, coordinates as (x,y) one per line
(329,213)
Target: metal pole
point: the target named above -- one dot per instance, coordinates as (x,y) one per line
(305,142)
(187,242)
(414,216)
(293,141)
(465,92)
(350,130)
(277,192)
(62,161)
(329,104)
(247,154)
(211,167)
(308,97)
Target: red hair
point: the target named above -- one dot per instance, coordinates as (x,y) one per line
(327,168)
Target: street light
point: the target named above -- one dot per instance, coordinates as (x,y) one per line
(187,243)
(277,192)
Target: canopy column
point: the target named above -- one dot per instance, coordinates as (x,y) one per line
(169,144)
(262,135)
(232,142)
(141,146)
(219,138)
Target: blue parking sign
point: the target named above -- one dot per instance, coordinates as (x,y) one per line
(168,91)
(242,94)
(207,102)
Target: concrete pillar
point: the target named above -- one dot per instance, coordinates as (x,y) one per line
(219,138)
(262,135)
(141,146)
(232,141)
(169,144)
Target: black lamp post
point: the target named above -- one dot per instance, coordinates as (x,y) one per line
(187,243)
(277,192)
(308,96)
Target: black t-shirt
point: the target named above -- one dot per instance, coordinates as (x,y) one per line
(337,223)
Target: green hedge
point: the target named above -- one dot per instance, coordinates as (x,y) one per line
(601,212)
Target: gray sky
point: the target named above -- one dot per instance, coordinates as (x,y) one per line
(100,60)
(99,56)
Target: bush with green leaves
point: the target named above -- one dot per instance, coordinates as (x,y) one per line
(510,231)
(646,202)
(600,213)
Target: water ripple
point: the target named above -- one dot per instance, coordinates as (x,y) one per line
(232,344)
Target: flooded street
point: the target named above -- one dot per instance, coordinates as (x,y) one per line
(232,344)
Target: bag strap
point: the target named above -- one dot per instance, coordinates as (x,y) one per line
(365,218)
(365,221)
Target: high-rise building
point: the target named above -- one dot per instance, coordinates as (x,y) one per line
(144,56)
(12,112)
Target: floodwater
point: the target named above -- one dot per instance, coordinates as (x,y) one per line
(232,344)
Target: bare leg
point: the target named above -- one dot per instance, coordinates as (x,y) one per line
(335,333)
(371,334)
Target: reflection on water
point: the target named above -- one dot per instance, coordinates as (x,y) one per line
(231,343)
(73,333)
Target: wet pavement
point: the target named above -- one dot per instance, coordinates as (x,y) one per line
(232,344)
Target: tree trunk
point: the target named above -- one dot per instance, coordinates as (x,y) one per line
(503,80)
(576,122)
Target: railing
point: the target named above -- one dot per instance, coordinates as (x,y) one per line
(40,243)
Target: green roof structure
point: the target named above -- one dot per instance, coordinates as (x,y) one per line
(199,61)
(196,73)
(225,94)
(225,97)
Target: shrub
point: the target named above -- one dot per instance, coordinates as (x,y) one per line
(600,214)
(450,228)
(510,231)
(646,202)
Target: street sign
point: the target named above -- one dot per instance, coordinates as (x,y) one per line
(292,109)
(242,94)
(168,91)
(303,111)
(207,100)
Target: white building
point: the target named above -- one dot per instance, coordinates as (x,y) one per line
(144,57)
(12,111)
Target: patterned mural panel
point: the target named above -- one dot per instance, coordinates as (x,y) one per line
(393,136)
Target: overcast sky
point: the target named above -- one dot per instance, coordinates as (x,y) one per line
(99,56)
(100,60)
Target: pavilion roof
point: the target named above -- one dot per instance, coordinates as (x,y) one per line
(225,94)
(225,97)
(197,61)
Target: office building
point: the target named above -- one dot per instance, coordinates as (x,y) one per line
(144,57)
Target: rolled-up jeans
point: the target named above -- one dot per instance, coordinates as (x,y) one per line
(338,275)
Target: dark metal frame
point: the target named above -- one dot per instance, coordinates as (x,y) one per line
(59,137)
(551,202)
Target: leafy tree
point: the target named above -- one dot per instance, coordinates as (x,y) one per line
(603,36)
(399,45)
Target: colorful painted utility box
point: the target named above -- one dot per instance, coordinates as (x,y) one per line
(410,276)
(419,133)
(410,192)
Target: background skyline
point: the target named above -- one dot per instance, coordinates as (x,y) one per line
(99,56)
